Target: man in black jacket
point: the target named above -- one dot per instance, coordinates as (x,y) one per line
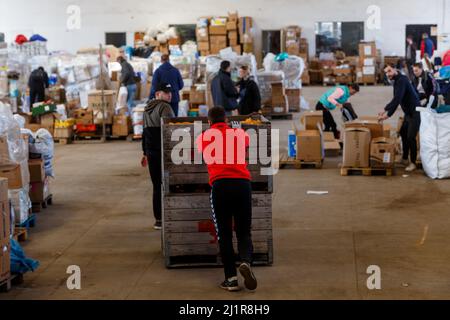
(406,96)
(425,85)
(223,91)
(410,54)
(37,83)
(127,79)
(151,142)
(250,98)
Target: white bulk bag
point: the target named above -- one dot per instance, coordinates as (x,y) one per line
(435,143)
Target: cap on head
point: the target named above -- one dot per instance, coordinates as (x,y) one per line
(164,87)
(216,115)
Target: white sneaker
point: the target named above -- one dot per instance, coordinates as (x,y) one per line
(411,167)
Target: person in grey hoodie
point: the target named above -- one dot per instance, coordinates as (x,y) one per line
(151,142)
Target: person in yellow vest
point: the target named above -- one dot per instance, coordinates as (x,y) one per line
(332,99)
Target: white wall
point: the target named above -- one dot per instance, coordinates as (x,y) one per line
(48,17)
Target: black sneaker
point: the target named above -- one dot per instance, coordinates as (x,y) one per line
(249,278)
(230,284)
(157,225)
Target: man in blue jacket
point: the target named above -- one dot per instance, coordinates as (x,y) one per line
(223,90)
(167,73)
(406,96)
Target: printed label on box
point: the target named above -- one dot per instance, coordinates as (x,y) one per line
(387,157)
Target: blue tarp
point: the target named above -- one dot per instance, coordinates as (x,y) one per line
(19,262)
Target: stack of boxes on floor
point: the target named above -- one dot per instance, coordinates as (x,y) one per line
(5,231)
(218,33)
(343,70)
(39,181)
(304,54)
(327,65)
(309,141)
(367,71)
(280,102)
(368,144)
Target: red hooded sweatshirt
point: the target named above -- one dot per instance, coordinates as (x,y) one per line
(224,152)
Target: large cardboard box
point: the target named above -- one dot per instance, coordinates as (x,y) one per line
(4,151)
(63,133)
(232,25)
(309,146)
(237,49)
(5,260)
(311,119)
(121,126)
(39,191)
(197,96)
(95,99)
(13,174)
(203,45)
(218,30)
(218,41)
(356,147)
(382,153)
(293,96)
(37,171)
(202,34)
(367,49)
(375,127)
(245,25)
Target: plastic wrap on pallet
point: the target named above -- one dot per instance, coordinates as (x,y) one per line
(122,98)
(265,80)
(183,108)
(292,67)
(10,129)
(20,264)
(138,120)
(20,204)
(43,144)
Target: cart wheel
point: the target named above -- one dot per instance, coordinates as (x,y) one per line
(50,201)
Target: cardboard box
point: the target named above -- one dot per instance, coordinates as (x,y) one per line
(39,191)
(37,171)
(311,119)
(218,30)
(95,100)
(5,260)
(375,127)
(232,35)
(356,147)
(47,120)
(367,49)
(309,146)
(233,43)
(13,174)
(197,96)
(237,49)
(293,96)
(382,153)
(245,25)
(233,16)
(63,133)
(4,151)
(332,148)
(247,47)
(121,126)
(83,116)
(218,41)
(108,117)
(203,45)
(232,25)
(369,79)
(202,34)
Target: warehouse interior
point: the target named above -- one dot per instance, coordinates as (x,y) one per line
(83,197)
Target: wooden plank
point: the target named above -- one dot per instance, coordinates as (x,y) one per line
(205,213)
(193,226)
(212,249)
(197,201)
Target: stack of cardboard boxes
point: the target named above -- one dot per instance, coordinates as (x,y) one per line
(233,33)
(294,99)
(96,105)
(279,101)
(367,70)
(5,231)
(39,183)
(368,144)
(202,34)
(343,70)
(315,72)
(245,34)
(327,69)
(292,36)
(121,125)
(310,146)
(217,34)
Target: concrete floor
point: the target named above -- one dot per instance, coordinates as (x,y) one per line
(101,220)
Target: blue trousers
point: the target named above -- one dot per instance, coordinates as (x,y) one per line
(132,88)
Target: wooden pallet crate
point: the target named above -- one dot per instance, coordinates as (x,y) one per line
(189,236)
(367,171)
(20,234)
(286,162)
(14,279)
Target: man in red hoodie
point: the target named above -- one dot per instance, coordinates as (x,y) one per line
(224,151)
